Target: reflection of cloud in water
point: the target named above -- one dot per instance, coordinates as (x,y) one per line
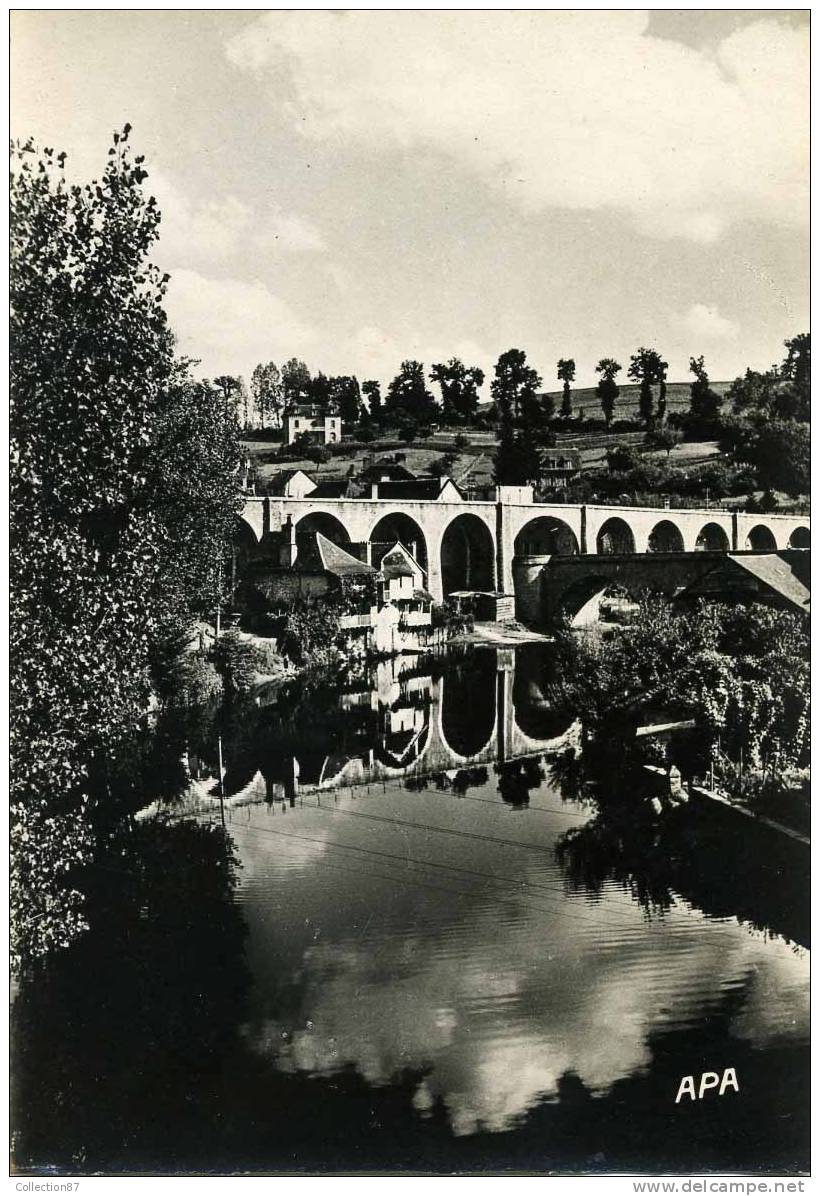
(496,1011)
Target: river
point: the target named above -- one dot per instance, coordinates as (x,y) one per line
(436,953)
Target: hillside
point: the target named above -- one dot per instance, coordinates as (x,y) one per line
(678,395)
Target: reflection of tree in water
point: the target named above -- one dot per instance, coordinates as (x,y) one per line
(460,782)
(621,849)
(116,1040)
(764,884)
(517,778)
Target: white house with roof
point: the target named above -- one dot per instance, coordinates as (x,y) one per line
(321,424)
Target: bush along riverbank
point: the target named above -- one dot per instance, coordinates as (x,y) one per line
(739,675)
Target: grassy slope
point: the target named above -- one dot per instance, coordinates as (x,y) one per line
(421,453)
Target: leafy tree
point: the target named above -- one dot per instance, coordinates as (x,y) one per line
(459,389)
(608,390)
(566,374)
(267,393)
(372,392)
(305,446)
(704,404)
(229,387)
(319,390)
(648,368)
(522,419)
(794,401)
(408,395)
(515,385)
(345,393)
(296,382)
(124,483)
(664,438)
(755,393)
(622,457)
(779,451)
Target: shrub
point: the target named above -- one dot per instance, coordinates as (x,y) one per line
(239,661)
(195,682)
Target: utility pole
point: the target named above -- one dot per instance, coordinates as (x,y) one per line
(218,599)
(221,783)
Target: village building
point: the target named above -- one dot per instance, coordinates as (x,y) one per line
(290,483)
(560,468)
(323,425)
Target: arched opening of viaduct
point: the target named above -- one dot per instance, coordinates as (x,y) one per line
(800,538)
(665,537)
(398,526)
(712,538)
(538,540)
(761,539)
(615,538)
(467,555)
(327,524)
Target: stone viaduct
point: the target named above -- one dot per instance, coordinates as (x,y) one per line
(505,544)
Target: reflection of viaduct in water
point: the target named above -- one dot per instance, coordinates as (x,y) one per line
(507,544)
(426,726)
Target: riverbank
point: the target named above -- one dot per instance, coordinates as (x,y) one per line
(501,635)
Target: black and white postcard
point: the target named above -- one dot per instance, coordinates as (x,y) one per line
(410,576)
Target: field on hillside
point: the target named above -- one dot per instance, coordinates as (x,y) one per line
(474,465)
(678,395)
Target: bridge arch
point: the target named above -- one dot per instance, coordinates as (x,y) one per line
(467,706)
(665,537)
(396,525)
(800,538)
(322,521)
(761,539)
(712,538)
(249,524)
(546,536)
(615,537)
(580,603)
(467,555)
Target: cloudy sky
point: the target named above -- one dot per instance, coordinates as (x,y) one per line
(355,188)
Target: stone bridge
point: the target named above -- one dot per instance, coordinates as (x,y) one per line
(574,586)
(484,545)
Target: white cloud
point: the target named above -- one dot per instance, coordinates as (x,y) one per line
(215,229)
(707,322)
(230,325)
(561,109)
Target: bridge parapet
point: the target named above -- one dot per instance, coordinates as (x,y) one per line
(512,522)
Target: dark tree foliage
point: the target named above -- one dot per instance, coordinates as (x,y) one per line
(795,371)
(459,389)
(648,368)
(566,374)
(768,428)
(523,419)
(123,495)
(408,395)
(296,382)
(704,404)
(372,392)
(608,390)
(345,393)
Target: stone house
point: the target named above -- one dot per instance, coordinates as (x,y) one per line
(322,424)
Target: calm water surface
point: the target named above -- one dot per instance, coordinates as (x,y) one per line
(461,967)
